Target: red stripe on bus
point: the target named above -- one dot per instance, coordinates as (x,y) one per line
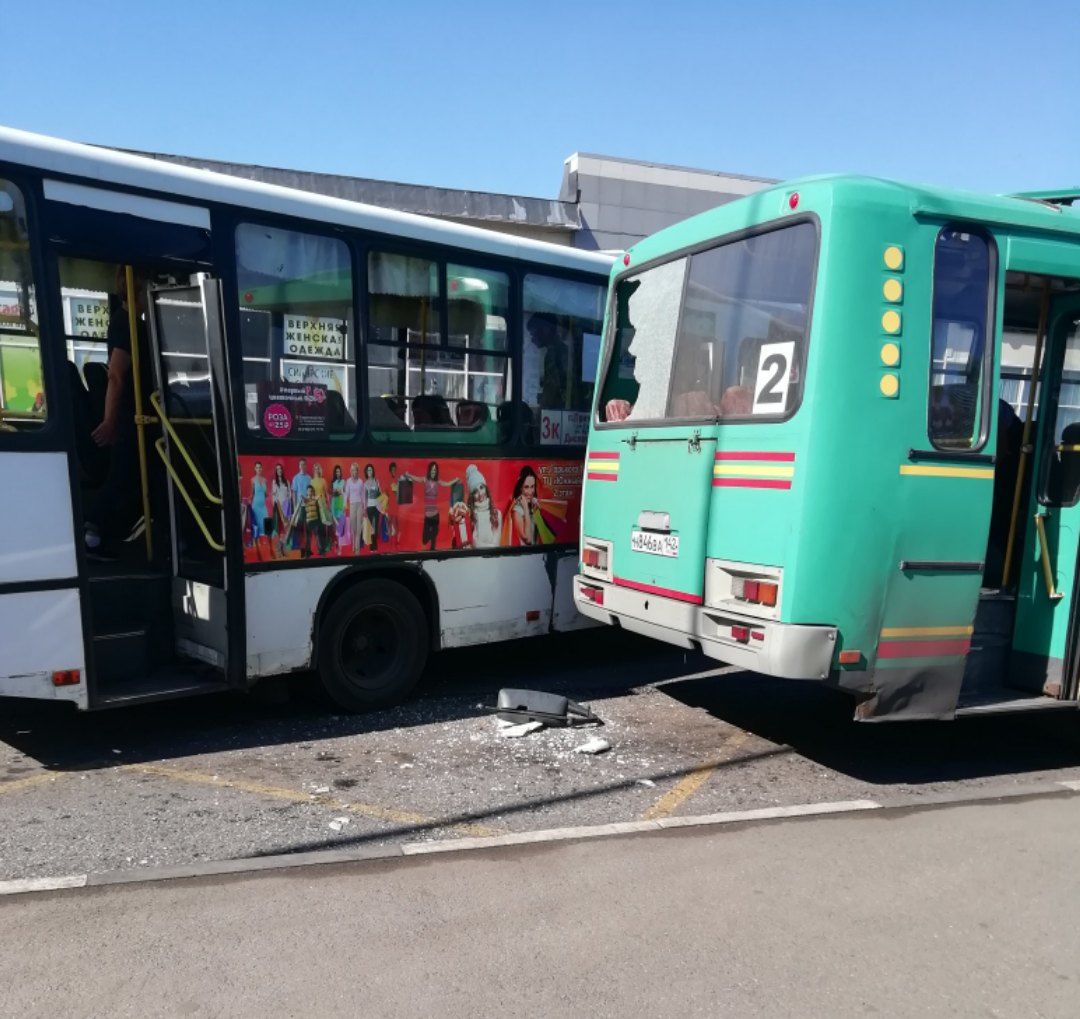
(781,457)
(602,477)
(922,648)
(666,592)
(751,482)
(602,456)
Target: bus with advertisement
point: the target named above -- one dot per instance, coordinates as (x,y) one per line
(837,438)
(247,431)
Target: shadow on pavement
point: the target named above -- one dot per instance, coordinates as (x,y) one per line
(816,722)
(585,665)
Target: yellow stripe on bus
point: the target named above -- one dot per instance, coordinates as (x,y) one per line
(927,631)
(602,465)
(721,470)
(927,471)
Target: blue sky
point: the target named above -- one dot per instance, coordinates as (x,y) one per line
(494,96)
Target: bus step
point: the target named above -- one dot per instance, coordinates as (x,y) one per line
(986,668)
(995,613)
(128,601)
(120,656)
(162,684)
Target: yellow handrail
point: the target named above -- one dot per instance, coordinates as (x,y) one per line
(140,428)
(217,546)
(1044,556)
(155,399)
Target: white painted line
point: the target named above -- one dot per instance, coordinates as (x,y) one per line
(632,827)
(522,838)
(770,813)
(41,884)
(1071,783)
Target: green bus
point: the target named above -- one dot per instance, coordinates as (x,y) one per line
(837,438)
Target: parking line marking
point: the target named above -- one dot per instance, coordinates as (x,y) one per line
(369,810)
(693,780)
(31,780)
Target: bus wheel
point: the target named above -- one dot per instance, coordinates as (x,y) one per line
(373,646)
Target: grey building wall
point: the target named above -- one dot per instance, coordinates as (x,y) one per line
(621,201)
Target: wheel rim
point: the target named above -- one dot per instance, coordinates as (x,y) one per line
(372,650)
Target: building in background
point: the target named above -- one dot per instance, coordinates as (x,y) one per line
(604,203)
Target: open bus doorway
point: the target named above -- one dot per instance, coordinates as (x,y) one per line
(1024,618)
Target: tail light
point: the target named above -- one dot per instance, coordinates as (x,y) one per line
(759,592)
(593,594)
(66,677)
(741,634)
(595,556)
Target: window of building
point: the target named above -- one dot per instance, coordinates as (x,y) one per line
(429,374)
(296,333)
(959,346)
(719,335)
(22,386)
(563,321)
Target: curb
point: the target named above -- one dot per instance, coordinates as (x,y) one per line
(329,857)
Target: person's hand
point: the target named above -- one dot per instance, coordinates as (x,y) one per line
(105,433)
(617,410)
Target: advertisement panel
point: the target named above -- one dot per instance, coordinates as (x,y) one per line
(301,507)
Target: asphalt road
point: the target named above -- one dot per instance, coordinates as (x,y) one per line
(961,911)
(229,777)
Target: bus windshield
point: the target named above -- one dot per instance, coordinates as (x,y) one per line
(715,335)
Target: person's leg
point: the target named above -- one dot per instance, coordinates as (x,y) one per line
(111,513)
(373,519)
(356,527)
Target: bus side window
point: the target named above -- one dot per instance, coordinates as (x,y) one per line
(563,320)
(1063,477)
(957,413)
(22,388)
(296,333)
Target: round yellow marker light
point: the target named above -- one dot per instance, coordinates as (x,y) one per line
(893,290)
(890,385)
(890,355)
(890,321)
(894,257)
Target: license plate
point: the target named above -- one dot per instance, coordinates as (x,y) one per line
(655,544)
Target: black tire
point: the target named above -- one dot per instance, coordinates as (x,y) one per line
(373,645)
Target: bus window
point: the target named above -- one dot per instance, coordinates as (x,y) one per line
(718,335)
(1063,478)
(957,407)
(422,380)
(296,333)
(563,320)
(22,390)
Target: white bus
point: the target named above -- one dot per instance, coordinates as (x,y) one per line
(347,436)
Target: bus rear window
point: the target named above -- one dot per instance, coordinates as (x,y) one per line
(715,335)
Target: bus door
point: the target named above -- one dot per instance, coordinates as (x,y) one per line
(189,399)
(1045,653)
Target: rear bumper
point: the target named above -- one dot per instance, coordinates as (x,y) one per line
(786,650)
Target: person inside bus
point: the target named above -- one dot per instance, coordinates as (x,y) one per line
(1010,438)
(113,511)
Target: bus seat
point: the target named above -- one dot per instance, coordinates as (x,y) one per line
(387,413)
(430,409)
(472,414)
(338,418)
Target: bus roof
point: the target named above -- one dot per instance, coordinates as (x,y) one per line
(108,166)
(1028,212)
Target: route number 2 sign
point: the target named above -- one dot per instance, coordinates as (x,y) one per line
(773,377)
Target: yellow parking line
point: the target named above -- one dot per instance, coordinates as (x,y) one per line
(692,781)
(31,780)
(369,810)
